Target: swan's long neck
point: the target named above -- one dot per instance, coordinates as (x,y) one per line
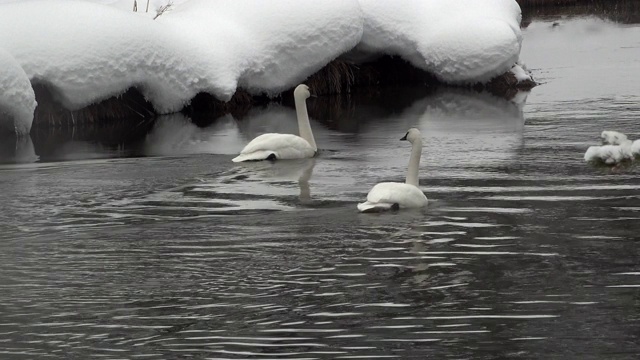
(303,122)
(414,163)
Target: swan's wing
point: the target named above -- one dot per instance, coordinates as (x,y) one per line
(369,207)
(284,146)
(404,195)
(253,156)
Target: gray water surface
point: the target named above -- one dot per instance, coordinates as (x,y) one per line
(524,252)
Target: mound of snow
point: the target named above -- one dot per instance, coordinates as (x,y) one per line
(613,137)
(269,46)
(609,154)
(17,100)
(460,41)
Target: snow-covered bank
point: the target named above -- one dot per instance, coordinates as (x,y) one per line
(17,100)
(86,51)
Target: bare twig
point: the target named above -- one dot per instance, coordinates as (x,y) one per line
(162,9)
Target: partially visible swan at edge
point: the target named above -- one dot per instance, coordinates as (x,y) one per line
(274,146)
(392,195)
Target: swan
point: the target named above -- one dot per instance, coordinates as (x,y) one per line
(274,146)
(392,195)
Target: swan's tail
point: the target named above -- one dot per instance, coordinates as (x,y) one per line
(369,207)
(255,156)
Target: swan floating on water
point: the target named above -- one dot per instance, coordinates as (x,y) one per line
(618,148)
(392,195)
(274,146)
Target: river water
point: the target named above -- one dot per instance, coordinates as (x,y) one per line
(164,249)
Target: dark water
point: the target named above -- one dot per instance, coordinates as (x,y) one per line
(524,252)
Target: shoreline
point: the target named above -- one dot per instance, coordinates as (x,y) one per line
(339,77)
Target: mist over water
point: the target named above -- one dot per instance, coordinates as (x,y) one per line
(164,248)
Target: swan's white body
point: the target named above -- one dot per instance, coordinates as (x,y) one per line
(617,148)
(284,146)
(391,195)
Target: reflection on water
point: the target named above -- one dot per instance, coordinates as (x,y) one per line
(166,249)
(595,71)
(622,11)
(17,151)
(177,135)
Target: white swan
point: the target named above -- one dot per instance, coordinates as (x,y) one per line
(284,146)
(391,195)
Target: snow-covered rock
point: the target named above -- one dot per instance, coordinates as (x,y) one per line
(87,51)
(613,137)
(609,154)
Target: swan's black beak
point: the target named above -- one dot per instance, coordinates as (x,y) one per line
(404,137)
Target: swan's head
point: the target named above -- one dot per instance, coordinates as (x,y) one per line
(412,135)
(302,92)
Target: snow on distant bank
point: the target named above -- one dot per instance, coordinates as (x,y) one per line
(87,51)
(17,100)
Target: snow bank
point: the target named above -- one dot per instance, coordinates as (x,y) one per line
(87,51)
(460,41)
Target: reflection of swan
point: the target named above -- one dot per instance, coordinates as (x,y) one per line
(20,151)
(389,195)
(299,169)
(284,146)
